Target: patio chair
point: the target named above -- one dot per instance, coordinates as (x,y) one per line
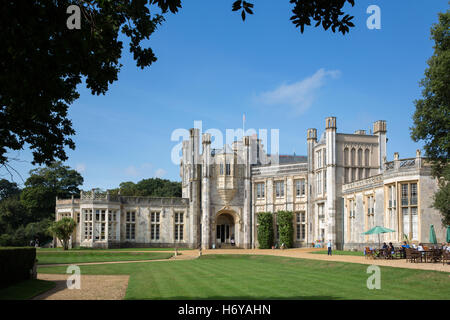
(413,255)
(436,255)
(445,256)
(368,253)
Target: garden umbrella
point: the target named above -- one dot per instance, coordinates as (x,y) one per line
(378,230)
(432,235)
(448,234)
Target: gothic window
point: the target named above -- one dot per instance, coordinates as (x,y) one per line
(353,155)
(130,225)
(279,189)
(102,225)
(179,226)
(404,194)
(260,192)
(346,156)
(360,154)
(409,210)
(367,157)
(154,225)
(112,224)
(351,215)
(360,173)
(221,169)
(413,194)
(319,182)
(353,174)
(370,205)
(391,210)
(228,169)
(346,173)
(319,159)
(300,187)
(87,224)
(301,226)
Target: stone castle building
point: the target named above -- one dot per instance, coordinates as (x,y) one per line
(342,188)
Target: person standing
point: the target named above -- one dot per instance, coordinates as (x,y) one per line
(329,247)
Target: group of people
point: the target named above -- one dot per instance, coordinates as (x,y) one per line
(420,247)
(389,248)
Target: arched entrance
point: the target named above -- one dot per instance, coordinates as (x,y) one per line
(225,230)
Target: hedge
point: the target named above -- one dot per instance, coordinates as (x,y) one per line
(285,228)
(16,264)
(265,230)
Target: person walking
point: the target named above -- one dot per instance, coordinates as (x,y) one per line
(329,247)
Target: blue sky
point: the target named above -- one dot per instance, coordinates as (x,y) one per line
(214,67)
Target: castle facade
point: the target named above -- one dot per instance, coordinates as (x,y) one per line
(342,188)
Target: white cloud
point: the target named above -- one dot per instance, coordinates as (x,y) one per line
(131,171)
(299,95)
(80,167)
(142,171)
(160,173)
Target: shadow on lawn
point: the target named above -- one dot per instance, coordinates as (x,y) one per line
(59,286)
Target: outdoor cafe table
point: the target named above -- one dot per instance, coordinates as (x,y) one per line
(379,253)
(426,254)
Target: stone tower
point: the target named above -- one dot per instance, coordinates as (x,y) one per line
(330,127)
(379,129)
(311,141)
(247,214)
(206,202)
(194,176)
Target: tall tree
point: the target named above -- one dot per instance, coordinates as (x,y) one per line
(432,114)
(42,61)
(47,183)
(8,189)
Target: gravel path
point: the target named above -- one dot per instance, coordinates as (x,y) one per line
(305,254)
(93,287)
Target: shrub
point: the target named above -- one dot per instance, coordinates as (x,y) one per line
(285,228)
(16,264)
(265,230)
(63,229)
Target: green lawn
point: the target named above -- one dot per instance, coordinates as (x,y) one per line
(268,277)
(97,256)
(25,290)
(340,252)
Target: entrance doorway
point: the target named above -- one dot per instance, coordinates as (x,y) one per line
(225,229)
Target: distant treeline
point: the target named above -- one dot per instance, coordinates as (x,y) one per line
(26,214)
(153,187)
